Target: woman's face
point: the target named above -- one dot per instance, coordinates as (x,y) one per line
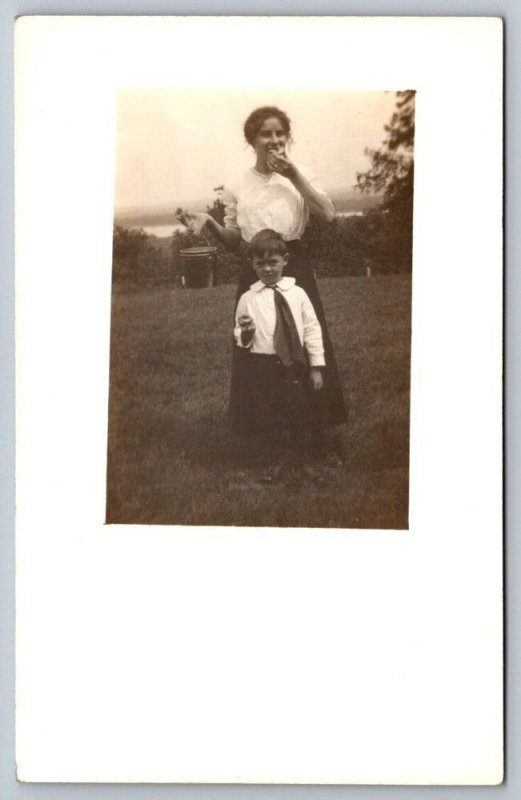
(271,137)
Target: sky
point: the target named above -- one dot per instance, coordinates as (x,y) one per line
(176,145)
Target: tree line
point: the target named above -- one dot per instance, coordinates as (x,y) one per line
(377,242)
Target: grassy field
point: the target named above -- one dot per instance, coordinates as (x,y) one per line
(171,456)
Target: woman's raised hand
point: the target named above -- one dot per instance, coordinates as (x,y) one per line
(194,220)
(279,162)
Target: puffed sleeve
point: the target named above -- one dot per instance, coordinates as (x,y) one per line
(230,209)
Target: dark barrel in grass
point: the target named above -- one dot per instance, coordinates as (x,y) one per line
(198,266)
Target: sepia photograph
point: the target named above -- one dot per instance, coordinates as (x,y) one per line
(258,398)
(261,308)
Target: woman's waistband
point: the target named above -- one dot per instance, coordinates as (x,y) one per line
(287,241)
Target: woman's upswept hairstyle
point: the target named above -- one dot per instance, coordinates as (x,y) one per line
(256,120)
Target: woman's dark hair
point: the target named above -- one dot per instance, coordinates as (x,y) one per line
(267,241)
(257,118)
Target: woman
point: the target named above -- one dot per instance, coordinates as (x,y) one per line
(275,193)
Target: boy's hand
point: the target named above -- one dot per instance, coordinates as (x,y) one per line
(316,381)
(247,326)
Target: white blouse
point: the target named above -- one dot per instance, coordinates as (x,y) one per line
(254,202)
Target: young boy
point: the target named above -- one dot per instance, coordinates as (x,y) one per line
(276,323)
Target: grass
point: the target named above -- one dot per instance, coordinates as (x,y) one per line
(171,456)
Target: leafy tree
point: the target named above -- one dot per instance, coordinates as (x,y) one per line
(392,174)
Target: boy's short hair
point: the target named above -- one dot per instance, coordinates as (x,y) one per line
(267,241)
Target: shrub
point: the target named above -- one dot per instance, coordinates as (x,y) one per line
(139,259)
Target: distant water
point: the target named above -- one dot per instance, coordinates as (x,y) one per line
(163,231)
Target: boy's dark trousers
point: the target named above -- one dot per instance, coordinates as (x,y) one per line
(274,397)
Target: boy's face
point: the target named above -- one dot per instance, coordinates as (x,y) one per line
(269,267)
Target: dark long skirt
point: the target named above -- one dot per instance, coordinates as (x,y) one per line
(331,410)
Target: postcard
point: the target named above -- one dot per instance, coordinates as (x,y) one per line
(259,400)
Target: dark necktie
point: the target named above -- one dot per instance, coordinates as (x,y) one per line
(286,339)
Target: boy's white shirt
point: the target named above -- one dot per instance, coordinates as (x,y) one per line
(259,304)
